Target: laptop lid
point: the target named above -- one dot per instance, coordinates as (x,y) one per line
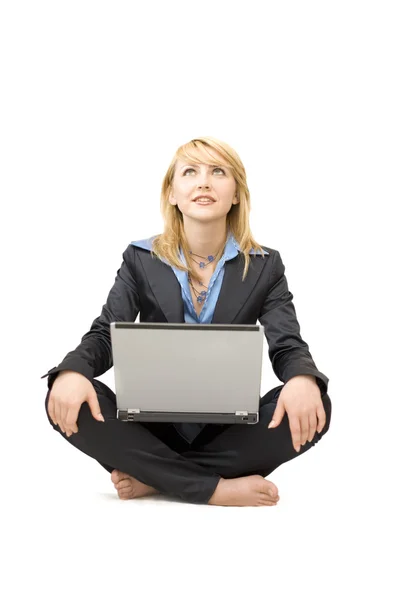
(186,372)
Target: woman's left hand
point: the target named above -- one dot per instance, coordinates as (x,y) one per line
(301,398)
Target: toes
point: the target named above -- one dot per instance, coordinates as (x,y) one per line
(272,490)
(266,500)
(271,497)
(274,497)
(115,476)
(123,485)
(124,494)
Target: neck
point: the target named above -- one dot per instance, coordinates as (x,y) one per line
(206,238)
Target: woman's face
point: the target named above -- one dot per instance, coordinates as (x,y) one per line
(192,180)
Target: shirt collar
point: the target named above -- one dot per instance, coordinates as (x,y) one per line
(232,248)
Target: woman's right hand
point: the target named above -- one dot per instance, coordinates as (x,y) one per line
(69,391)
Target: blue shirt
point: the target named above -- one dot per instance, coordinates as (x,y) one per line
(190,430)
(231,250)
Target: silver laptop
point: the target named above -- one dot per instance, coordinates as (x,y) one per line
(187,373)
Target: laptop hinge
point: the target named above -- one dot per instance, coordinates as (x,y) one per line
(127,414)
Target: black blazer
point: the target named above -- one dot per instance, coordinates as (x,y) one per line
(146,285)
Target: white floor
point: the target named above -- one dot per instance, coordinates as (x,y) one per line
(68,534)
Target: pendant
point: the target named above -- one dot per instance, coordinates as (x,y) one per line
(202,297)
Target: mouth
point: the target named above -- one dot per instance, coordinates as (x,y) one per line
(204,200)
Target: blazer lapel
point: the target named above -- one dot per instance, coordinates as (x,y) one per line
(233,295)
(165,287)
(235,292)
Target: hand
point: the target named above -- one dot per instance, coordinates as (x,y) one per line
(69,391)
(301,398)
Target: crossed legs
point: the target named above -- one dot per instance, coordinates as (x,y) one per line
(155,455)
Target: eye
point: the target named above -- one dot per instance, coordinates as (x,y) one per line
(216,168)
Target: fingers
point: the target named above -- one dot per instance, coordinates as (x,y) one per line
(295,430)
(50,409)
(312,419)
(95,407)
(57,412)
(64,416)
(308,427)
(321,417)
(304,425)
(64,412)
(70,420)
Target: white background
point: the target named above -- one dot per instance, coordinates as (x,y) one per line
(95,99)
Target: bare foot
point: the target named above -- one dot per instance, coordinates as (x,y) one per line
(128,487)
(252,490)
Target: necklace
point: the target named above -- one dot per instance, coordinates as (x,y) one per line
(210,258)
(201,296)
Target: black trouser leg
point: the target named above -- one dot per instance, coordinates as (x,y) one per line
(134,449)
(239,450)
(155,453)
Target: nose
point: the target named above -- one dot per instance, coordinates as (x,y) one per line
(203,180)
(203,183)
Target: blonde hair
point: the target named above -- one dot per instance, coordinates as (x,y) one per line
(166,245)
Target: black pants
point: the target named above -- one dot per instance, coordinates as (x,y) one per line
(155,453)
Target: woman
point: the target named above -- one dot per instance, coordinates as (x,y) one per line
(205,267)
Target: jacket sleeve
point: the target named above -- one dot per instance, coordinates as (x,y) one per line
(288,352)
(93,356)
